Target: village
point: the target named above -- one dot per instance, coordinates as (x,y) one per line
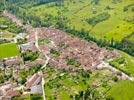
(52,47)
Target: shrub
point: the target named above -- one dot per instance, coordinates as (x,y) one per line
(115,78)
(97,19)
(72,62)
(55,53)
(29,55)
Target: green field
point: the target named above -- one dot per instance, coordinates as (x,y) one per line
(62,85)
(117,26)
(123,90)
(8,50)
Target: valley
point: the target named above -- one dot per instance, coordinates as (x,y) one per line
(66,50)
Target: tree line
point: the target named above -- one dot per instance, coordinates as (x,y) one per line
(125,45)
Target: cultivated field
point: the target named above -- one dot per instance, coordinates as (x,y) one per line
(8,50)
(63,85)
(118,25)
(123,90)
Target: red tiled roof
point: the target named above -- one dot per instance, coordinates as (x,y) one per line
(13,93)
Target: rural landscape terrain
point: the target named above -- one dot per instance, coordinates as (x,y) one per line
(66,49)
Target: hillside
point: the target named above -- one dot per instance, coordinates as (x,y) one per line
(103,20)
(66,50)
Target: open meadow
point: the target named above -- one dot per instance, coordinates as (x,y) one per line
(112,19)
(8,50)
(64,85)
(123,90)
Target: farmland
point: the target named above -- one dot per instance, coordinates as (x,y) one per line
(113,20)
(65,85)
(8,50)
(123,90)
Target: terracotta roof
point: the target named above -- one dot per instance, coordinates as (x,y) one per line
(88,54)
(34,80)
(12,93)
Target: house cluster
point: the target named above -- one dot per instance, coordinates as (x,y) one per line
(87,54)
(13,65)
(33,85)
(62,50)
(28,46)
(8,90)
(11,62)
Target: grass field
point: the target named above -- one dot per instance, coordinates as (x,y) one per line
(78,11)
(63,85)
(123,90)
(8,50)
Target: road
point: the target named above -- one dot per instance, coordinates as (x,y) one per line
(37,46)
(113,69)
(46,62)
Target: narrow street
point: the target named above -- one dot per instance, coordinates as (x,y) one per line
(44,66)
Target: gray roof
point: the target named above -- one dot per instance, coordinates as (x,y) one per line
(37,89)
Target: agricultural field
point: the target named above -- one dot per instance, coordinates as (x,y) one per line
(8,50)
(63,85)
(123,90)
(112,19)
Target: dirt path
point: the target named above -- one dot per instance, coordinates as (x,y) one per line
(113,69)
(46,62)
